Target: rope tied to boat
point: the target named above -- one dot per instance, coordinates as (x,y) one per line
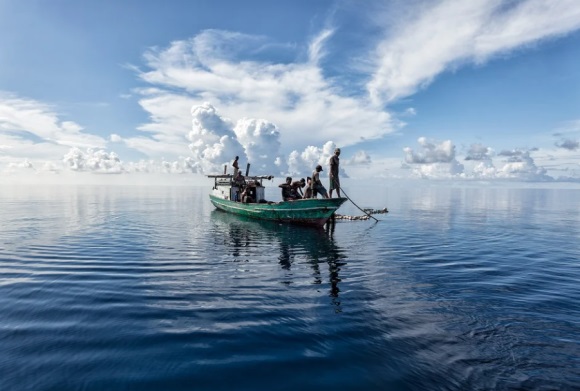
(368,214)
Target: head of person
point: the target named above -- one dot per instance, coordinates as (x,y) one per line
(302,182)
(288,180)
(337,151)
(237,157)
(308,179)
(319,168)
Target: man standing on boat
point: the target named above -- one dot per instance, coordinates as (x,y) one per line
(333,174)
(317,186)
(235,166)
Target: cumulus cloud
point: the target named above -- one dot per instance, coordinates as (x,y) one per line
(303,163)
(431,152)
(479,152)
(260,140)
(222,67)
(284,112)
(434,159)
(442,35)
(25,164)
(437,161)
(98,161)
(359,158)
(520,165)
(568,144)
(213,141)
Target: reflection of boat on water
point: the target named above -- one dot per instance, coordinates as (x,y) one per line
(312,211)
(285,242)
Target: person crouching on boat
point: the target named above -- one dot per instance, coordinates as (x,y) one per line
(317,186)
(287,194)
(240,182)
(296,189)
(308,190)
(247,196)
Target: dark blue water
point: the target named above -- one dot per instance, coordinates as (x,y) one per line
(136,288)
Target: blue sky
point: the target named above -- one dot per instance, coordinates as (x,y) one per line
(484,90)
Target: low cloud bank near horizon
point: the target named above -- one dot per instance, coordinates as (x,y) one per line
(213,141)
(438,160)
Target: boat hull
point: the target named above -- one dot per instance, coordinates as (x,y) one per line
(313,211)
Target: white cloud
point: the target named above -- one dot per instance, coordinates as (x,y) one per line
(431,152)
(260,140)
(437,160)
(303,163)
(359,158)
(479,151)
(29,120)
(284,112)
(441,35)
(213,141)
(93,160)
(32,131)
(306,107)
(520,165)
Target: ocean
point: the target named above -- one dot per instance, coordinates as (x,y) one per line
(150,288)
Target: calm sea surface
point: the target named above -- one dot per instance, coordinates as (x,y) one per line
(150,288)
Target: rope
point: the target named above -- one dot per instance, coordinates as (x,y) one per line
(362,217)
(346,195)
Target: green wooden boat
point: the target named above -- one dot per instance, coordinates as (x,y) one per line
(225,195)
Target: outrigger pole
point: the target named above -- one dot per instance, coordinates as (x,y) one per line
(362,210)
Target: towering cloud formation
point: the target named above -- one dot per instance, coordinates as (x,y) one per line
(215,141)
(260,140)
(301,163)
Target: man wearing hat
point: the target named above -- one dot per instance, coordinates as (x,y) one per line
(333,174)
(316,185)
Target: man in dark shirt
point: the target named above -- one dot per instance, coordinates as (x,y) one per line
(296,188)
(333,174)
(235,166)
(287,190)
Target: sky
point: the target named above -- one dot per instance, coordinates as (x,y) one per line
(480,90)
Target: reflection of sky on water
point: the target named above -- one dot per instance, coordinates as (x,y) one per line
(454,284)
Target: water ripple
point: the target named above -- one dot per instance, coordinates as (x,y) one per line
(117,289)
